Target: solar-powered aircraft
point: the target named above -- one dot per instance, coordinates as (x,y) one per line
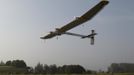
(78,21)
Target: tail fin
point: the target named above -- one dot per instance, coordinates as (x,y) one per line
(92,40)
(92,37)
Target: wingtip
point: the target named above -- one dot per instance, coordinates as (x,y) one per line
(41,37)
(105,1)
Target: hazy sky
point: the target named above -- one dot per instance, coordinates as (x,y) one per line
(23,22)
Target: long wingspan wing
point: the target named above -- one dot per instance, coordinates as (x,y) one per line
(85,17)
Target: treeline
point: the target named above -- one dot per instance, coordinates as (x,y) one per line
(121,68)
(20,66)
(54,69)
(15,65)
